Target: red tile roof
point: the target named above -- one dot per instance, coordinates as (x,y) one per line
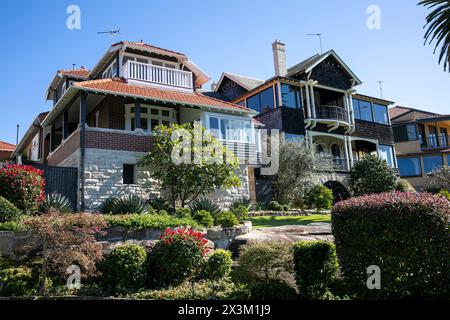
(79,73)
(398,111)
(119,86)
(148,46)
(4,146)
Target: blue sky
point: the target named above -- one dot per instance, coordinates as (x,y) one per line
(219,35)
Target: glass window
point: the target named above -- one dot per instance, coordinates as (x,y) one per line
(126,58)
(142,60)
(128,174)
(254,103)
(448,160)
(293,137)
(157,63)
(144,124)
(431,163)
(231,129)
(154,123)
(381,114)
(290,96)
(365,110)
(267,99)
(356,108)
(409,167)
(387,153)
(411,131)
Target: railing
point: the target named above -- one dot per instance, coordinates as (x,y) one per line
(436,141)
(332,113)
(340,164)
(156,74)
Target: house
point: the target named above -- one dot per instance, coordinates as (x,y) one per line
(6,150)
(421,141)
(102,120)
(316,100)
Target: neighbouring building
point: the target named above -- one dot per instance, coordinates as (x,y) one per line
(315,100)
(6,150)
(102,120)
(421,141)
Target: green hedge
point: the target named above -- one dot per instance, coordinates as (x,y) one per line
(405,234)
(149,221)
(8,211)
(315,266)
(218,265)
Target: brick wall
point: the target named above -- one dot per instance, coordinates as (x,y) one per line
(118,141)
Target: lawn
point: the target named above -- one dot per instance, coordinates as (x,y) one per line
(278,221)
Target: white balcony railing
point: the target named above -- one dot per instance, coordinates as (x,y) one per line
(159,75)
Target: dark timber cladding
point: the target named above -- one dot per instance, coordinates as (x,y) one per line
(83,110)
(383,133)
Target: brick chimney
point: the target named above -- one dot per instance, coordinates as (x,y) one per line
(279,58)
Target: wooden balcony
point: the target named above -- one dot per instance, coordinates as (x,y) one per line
(160,76)
(332,113)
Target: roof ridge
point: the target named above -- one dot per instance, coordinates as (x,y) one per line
(239,75)
(143,44)
(222,101)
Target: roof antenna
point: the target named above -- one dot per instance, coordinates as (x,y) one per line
(319,35)
(73,66)
(111,32)
(381,88)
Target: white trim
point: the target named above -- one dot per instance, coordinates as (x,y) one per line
(172,118)
(206,121)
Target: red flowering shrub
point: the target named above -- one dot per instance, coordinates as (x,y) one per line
(176,257)
(23,186)
(405,234)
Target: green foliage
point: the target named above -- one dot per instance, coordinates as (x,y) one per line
(160,203)
(319,197)
(163,213)
(372,175)
(17,281)
(272,290)
(445,194)
(8,211)
(439,180)
(129,204)
(275,206)
(405,234)
(192,176)
(227,219)
(264,261)
(204,218)
(218,265)
(241,212)
(183,213)
(176,257)
(149,221)
(315,265)
(404,186)
(243,201)
(13,226)
(23,186)
(56,201)
(124,269)
(107,205)
(207,205)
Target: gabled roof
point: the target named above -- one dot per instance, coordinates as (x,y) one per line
(5,146)
(78,74)
(32,131)
(148,46)
(399,111)
(245,82)
(307,65)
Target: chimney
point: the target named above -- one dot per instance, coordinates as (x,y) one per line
(279,58)
(213,86)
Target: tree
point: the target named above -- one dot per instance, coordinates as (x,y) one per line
(438,22)
(189,162)
(439,179)
(372,175)
(298,161)
(319,197)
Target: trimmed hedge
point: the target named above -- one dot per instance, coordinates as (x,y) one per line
(8,211)
(405,234)
(149,221)
(315,266)
(204,218)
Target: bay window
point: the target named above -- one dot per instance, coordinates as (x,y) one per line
(387,153)
(230,128)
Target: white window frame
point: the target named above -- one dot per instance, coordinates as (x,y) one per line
(165,63)
(172,118)
(220,116)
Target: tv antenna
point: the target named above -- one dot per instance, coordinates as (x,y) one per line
(111,32)
(380,83)
(319,35)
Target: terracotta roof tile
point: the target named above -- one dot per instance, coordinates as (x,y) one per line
(79,73)
(148,46)
(4,146)
(397,111)
(119,86)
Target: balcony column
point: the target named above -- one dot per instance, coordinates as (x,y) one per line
(308,102)
(350,152)
(347,158)
(83,113)
(65,128)
(137,115)
(313,102)
(350,105)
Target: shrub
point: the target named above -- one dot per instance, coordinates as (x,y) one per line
(13,226)
(204,218)
(272,290)
(176,257)
(405,234)
(56,201)
(264,261)
(315,265)
(124,270)
(23,186)
(8,211)
(183,213)
(439,179)
(17,281)
(445,194)
(218,265)
(319,197)
(404,186)
(107,205)
(148,221)
(241,212)
(286,207)
(274,206)
(129,204)
(207,205)
(163,213)
(372,175)
(227,219)
(160,203)
(243,201)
